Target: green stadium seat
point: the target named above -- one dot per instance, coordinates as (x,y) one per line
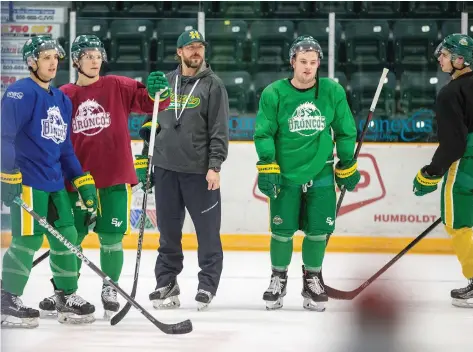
(449,27)
(271,41)
(320,31)
(414,43)
(62,77)
(342,8)
(145,9)
(190,8)
(289,9)
(140,76)
(168,31)
(237,84)
(363,87)
(94,8)
(96,27)
(428,8)
(241,9)
(130,44)
(226,39)
(380,8)
(366,43)
(418,90)
(263,79)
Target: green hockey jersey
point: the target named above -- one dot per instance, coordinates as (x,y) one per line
(294,129)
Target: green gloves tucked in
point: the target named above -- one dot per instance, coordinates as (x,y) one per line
(424,183)
(85,185)
(157,82)
(269,179)
(11,186)
(141,168)
(347,175)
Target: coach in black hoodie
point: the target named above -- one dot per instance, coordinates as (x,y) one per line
(190,147)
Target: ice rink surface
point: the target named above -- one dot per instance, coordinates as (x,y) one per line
(238,321)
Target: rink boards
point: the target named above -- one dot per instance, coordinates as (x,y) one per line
(382,215)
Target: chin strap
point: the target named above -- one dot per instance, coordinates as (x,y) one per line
(37,76)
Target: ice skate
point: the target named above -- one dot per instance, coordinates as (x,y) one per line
(463,297)
(203,299)
(73,309)
(109,301)
(15,314)
(48,307)
(166,297)
(313,291)
(276,291)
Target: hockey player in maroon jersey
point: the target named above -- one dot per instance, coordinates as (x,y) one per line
(101,140)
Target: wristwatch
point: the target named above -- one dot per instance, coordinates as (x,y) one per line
(215,168)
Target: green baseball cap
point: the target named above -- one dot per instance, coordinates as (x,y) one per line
(190,36)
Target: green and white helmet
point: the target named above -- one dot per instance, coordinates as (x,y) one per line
(35,45)
(459,45)
(83,43)
(305,43)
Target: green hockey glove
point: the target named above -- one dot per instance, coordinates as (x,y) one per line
(269,179)
(347,175)
(157,82)
(424,183)
(11,186)
(85,185)
(141,168)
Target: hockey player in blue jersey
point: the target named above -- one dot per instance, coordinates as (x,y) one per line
(36,152)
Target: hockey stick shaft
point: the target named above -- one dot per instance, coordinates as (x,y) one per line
(363,132)
(154,121)
(349,295)
(89,222)
(179,328)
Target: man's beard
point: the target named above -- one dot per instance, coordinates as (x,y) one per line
(304,79)
(193,62)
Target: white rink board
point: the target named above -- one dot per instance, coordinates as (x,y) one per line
(382,206)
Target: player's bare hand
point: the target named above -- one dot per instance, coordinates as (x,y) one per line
(213,178)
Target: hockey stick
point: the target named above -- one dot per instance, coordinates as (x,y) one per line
(89,222)
(183,327)
(363,133)
(349,295)
(121,314)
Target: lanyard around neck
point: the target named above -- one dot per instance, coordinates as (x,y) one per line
(187,100)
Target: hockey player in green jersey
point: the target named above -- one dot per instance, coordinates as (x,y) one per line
(293,139)
(453,159)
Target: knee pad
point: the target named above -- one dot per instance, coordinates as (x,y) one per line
(282,237)
(111,242)
(27,243)
(462,241)
(316,237)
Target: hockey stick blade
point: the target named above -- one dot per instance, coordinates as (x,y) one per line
(89,222)
(154,120)
(183,327)
(349,295)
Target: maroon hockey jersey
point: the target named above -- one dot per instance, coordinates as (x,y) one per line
(100,134)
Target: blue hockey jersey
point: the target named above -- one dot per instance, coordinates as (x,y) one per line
(35,128)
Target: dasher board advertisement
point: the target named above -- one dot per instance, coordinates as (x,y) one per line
(34,14)
(27,30)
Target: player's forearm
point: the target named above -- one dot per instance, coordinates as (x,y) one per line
(265,148)
(345,149)
(445,156)
(8,154)
(71,166)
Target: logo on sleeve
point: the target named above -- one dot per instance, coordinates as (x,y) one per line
(91,118)
(53,126)
(15,95)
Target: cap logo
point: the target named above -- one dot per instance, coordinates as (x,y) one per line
(194,35)
(463,41)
